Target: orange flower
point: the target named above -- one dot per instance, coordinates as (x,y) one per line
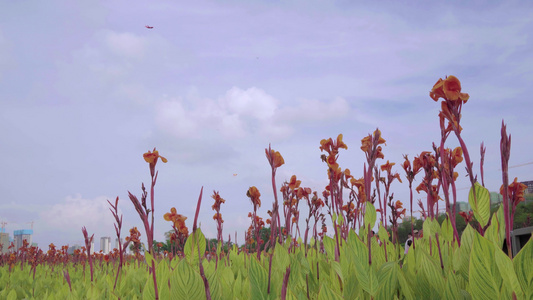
(448,89)
(379,154)
(277,159)
(170,216)
(366,143)
(151,157)
(218,201)
(457,156)
(516,191)
(340,143)
(254,195)
(387,167)
(325,145)
(218,217)
(294,184)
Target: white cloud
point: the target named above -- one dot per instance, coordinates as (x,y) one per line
(252,102)
(174,118)
(232,116)
(125,44)
(75,212)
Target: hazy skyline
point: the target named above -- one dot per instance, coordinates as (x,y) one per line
(86,89)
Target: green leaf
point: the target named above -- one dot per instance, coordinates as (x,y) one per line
(337,268)
(496,231)
(281,258)
(370,215)
(258,279)
(480,204)
(484,277)
(186,283)
(388,280)
(149,290)
(329,245)
(432,271)
(12,295)
(149,258)
(382,233)
(505,267)
(447,229)
(452,291)
(327,294)
(523,266)
(195,242)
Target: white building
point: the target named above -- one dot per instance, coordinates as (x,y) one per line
(105,244)
(21,235)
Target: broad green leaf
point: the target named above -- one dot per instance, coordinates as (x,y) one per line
(327,294)
(462,255)
(382,233)
(505,267)
(337,268)
(496,231)
(388,280)
(149,290)
(523,266)
(281,258)
(12,295)
(194,245)
(480,204)
(447,229)
(451,291)
(405,287)
(484,277)
(197,242)
(329,245)
(149,258)
(258,279)
(432,271)
(186,282)
(370,215)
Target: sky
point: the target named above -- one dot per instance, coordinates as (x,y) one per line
(86,89)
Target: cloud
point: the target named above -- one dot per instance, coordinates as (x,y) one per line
(75,212)
(252,102)
(125,44)
(234,115)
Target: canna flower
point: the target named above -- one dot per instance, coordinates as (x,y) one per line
(294,184)
(457,156)
(516,192)
(218,201)
(468,217)
(171,216)
(152,157)
(448,89)
(277,159)
(387,167)
(254,195)
(218,217)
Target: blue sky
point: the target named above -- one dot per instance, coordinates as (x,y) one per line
(86,89)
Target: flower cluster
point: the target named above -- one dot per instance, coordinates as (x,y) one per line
(178,221)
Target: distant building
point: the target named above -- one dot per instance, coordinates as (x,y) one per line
(21,235)
(4,241)
(72,248)
(462,206)
(105,244)
(495,198)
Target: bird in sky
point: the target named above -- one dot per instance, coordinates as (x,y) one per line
(149,27)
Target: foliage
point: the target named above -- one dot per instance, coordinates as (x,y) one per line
(458,255)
